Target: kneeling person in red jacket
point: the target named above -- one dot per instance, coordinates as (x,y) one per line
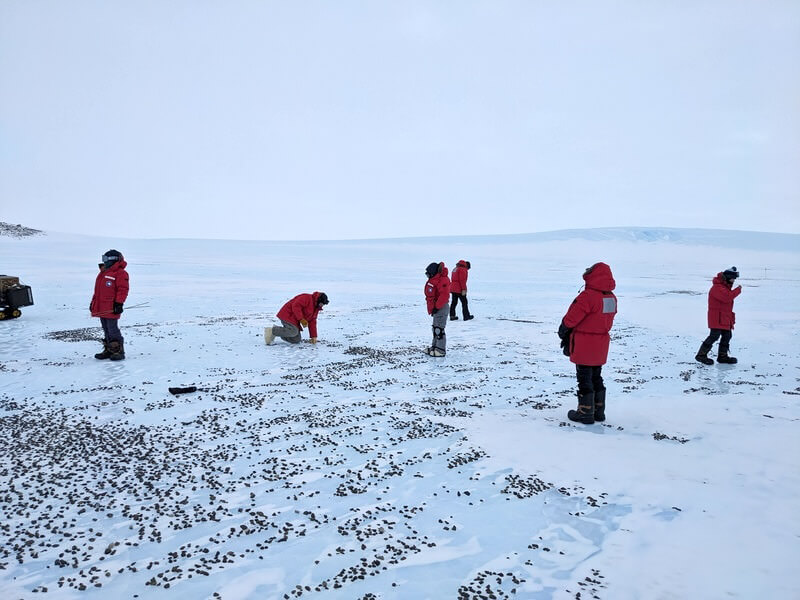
(584,338)
(299,312)
(110,292)
(437,296)
(720,317)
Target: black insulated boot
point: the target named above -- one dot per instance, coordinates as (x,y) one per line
(104,354)
(600,406)
(585,412)
(723,358)
(116,351)
(702,355)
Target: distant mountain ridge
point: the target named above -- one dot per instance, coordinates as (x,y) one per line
(724,238)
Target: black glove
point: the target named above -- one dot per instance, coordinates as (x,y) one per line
(564,333)
(117,308)
(434,310)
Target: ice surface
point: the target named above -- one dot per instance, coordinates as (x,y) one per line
(361,468)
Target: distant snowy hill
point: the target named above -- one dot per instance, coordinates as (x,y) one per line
(751,240)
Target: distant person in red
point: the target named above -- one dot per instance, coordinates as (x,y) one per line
(721,317)
(110,292)
(584,338)
(437,296)
(299,312)
(458,290)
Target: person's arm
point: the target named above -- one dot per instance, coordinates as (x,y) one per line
(123,286)
(722,293)
(297,309)
(430,300)
(444,293)
(577,311)
(312,329)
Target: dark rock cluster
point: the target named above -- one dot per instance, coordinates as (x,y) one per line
(359,458)
(17,231)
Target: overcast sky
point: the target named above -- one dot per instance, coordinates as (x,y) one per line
(343,119)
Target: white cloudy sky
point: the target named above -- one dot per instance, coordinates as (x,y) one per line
(352,119)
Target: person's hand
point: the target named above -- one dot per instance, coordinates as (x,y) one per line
(464,294)
(303,323)
(313,340)
(117,308)
(739,287)
(433,311)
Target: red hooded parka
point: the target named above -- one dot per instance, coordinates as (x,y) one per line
(460,274)
(110,286)
(302,306)
(437,289)
(720,303)
(591,317)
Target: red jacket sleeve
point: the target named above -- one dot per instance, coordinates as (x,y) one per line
(123,286)
(577,311)
(297,309)
(724,294)
(443,297)
(312,327)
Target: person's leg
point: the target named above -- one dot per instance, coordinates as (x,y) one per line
(105,353)
(288,332)
(453,302)
(104,325)
(725,341)
(724,346)
(465,308)
(114,334)
(585,412)
(599,394)
(439,339)
(705,347)
(115,342)
(585,380)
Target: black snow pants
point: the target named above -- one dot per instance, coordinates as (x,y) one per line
(590,379)
(111,331)
(716,334)
(464,306)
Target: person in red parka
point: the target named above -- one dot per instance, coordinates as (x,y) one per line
(110,292)
(584,338)
(720,317)
(458,290)
(299,312)
(437,296)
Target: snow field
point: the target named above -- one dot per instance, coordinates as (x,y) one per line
(361,468)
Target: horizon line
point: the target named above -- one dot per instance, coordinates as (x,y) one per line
(418,237)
